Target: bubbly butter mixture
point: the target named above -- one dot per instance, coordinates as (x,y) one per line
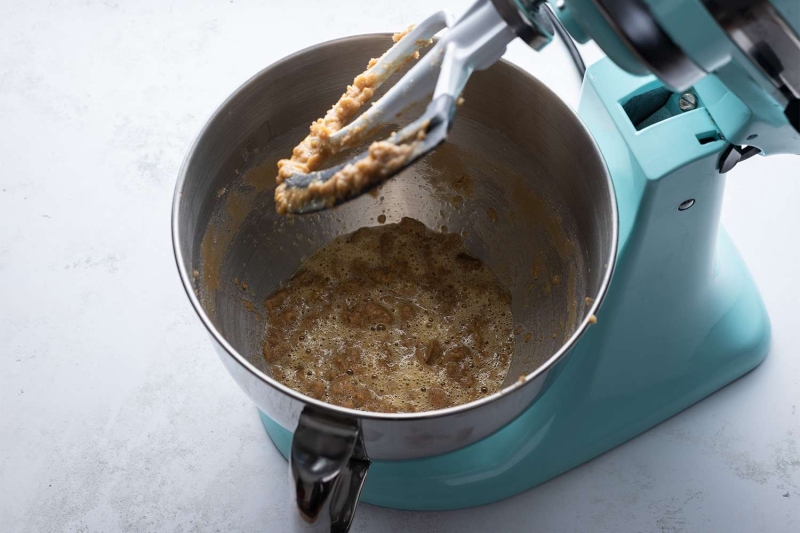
(394,318)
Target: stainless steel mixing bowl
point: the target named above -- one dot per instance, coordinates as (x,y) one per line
(520,178)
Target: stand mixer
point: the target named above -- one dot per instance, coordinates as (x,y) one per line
(736,67)
(690,89)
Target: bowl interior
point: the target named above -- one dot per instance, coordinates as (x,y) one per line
(519,178)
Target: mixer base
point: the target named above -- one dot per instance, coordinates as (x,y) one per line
(586,411)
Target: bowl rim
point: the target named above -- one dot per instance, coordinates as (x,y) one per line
(530,378)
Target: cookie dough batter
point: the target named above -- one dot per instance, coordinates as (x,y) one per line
(315,149)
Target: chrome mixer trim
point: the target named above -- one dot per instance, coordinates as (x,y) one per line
(760,32)
(644,37)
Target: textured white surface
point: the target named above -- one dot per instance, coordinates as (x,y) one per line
(115,413)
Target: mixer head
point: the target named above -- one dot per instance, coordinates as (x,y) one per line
(751,46)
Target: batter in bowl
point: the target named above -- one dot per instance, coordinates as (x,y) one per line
(393,318)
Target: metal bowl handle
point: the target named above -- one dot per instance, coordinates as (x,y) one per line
(327,469)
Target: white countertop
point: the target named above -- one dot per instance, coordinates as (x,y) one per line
(115,413)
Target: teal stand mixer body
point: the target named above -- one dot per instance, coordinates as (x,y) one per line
(682,317)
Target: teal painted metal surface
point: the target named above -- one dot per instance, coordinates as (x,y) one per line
(699,36)
(682,318)
(765,118)
(695,31)
(790,12)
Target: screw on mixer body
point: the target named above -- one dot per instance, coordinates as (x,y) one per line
(687,102)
